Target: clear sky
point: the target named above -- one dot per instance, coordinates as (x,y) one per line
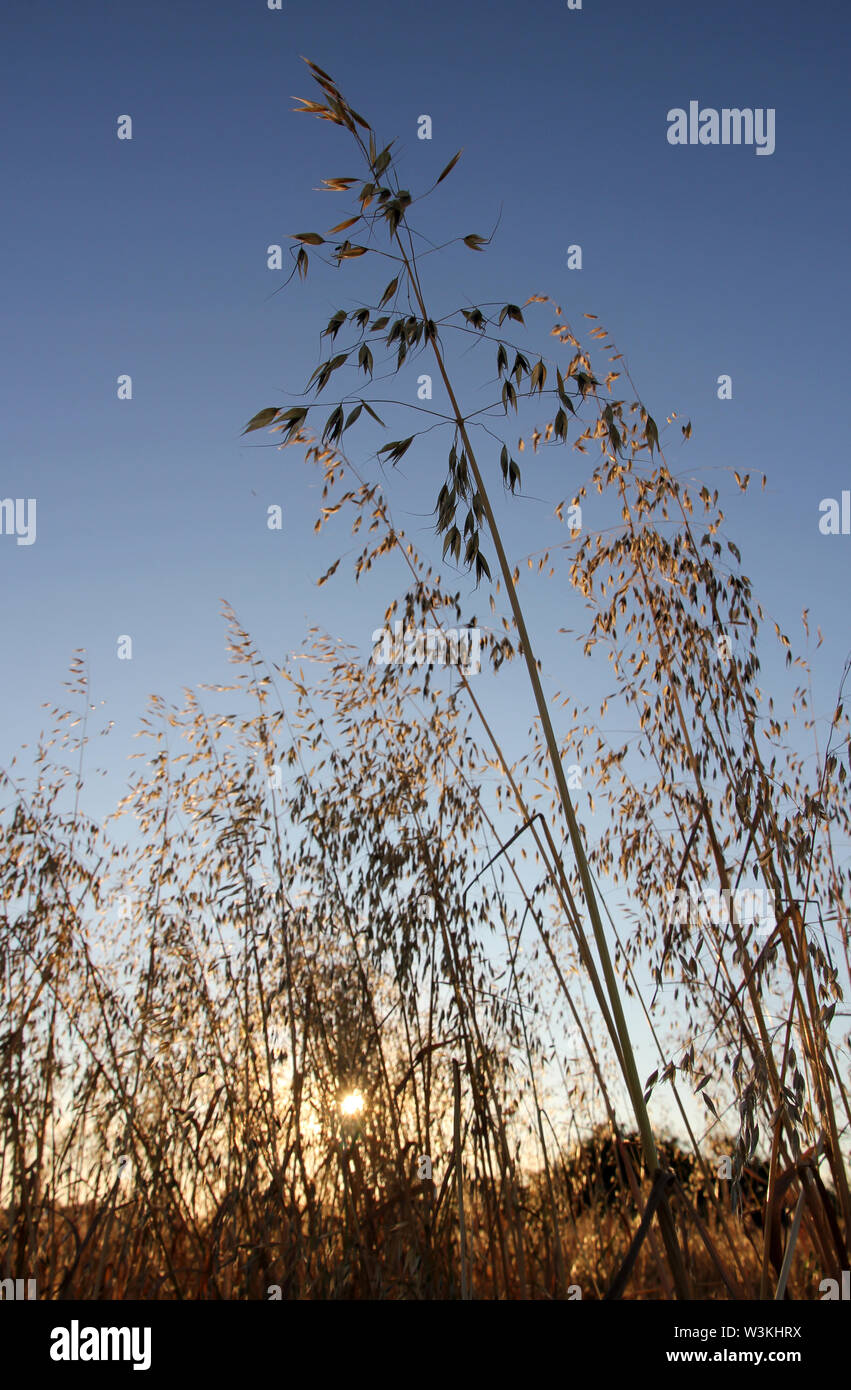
(148,257)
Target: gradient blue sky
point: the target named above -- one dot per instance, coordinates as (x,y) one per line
(148,257)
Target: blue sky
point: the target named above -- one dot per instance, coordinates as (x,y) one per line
(148,257)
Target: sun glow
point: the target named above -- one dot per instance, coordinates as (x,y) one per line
(352,1104)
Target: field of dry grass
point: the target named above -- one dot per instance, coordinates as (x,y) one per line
(282,1034)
